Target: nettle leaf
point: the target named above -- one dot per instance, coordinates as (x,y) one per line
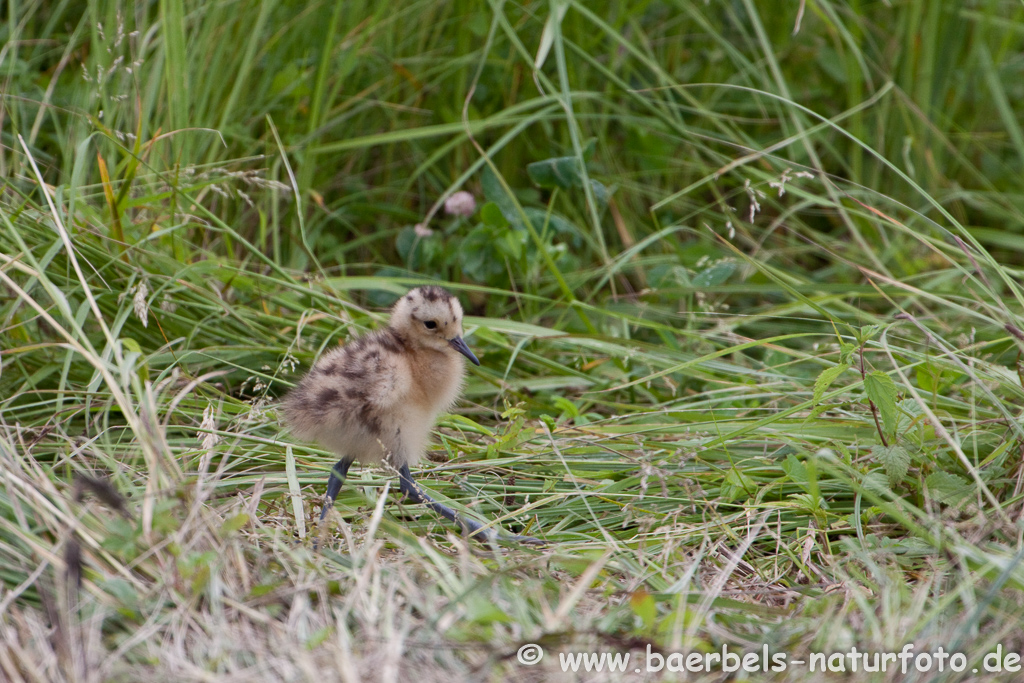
(947,487)
(875,483)
(882,392)
(826,378)
(714,275)
(910,415)
(868,332)
(895,460)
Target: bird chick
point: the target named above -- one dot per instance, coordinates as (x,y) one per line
(376,398)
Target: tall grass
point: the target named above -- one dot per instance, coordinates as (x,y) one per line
(750,327)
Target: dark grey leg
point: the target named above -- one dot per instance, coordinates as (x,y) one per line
(470,527)
(337,478)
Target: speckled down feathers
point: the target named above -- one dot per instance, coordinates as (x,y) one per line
(377,398)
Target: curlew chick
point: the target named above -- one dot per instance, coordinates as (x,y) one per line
(376,398)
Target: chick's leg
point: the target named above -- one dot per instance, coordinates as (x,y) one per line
(338,473)
(471,527)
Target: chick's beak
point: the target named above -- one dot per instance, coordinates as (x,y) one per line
(461,347)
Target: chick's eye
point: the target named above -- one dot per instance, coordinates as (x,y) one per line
(430,324)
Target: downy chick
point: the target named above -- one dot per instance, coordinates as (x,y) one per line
(376,398)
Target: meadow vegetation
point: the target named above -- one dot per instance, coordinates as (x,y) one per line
(744,279)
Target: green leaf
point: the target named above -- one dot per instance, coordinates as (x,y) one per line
(867,333)
(567,407)
(259,590)
(737,485)
(882,391)
(120,538)
(796,470)
(926,377)
(812,505)
(846,352)
(563,172)
(495,192)
(561,226)
(913,547)
(866,515)
(406,242)
(491,214)
(910,415)
(478,254)
(715,274)
(643,605)
(933,378)
(480,610)
(895,460)
(601,192)
(588,149)
(947,487)
(232,524)
(318,637)
(510,243)
(876,483)
(826,378)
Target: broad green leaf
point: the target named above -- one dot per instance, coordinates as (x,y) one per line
(547,36)
(643,606)
(510,243)
(846,352)
(876,482)
(927,377)
(561,226)
(868,332)
(495,192)
(601,192)
(232,524)
(947,487)
(737,485)
(895,460)
(882,391)
(805,502)
(492,215)
(714,275)
(563,172)
(480,610)
(913,547)
(909,415)
(826,378)
(566,172)
(796,470)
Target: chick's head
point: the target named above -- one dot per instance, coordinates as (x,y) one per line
(430,317)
